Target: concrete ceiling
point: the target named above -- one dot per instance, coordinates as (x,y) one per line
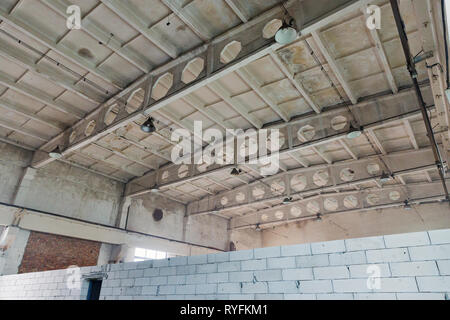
(60,86)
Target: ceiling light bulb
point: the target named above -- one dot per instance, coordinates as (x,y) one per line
(236,172)
(354,133)
(385,177)
(154,189)
(56,153)
(286,34)
(407,206)
(287,200)
(148,126)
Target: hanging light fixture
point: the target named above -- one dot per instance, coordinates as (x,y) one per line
(287,200)
(236,172)
(407,206)
(385,177)
(148,126)
(353,132)
(287,33)
(56,153)
(155,189)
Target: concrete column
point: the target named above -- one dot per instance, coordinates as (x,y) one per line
(104,256)
(122,214)
(13,242)
(24,186)
(122,253)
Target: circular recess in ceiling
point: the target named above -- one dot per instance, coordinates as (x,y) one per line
(321,178)
(90,128)
(111,114)
(331,204)
(279,215)
(373,169)
(372,199)
(338,123)
(85,53)
(306,133)
(350,202)
(135,100)
(224,201)
(299,182)
(230,52)
(296,211)
(240,196)
(165,175)
(277,186)
(192,70)
(264,217)
(162,86)
(271,28)
(158,214)
(313,207)
(394,195)
(183,171)
(272,147)
(258,193)
(347,174)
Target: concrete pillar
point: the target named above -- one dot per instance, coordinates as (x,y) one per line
(23,187)
(122,215)
(122,253)
(104,255)
(13,242)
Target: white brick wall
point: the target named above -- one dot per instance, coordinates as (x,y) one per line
(411,266)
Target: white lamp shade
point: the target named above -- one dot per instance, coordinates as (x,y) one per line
(285,35)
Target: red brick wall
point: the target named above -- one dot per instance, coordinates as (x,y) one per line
(52,252)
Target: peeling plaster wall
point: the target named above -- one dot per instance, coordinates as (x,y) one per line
(207,230)
(13,161)
(62,189)
(360,224)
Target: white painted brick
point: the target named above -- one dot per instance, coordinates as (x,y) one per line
(268,296)
(299,296)
(206,268)
(168,271)
(387,255)
(283,287)
(127,282)
(152,272)
(177,261)
(185,289)
(260,264)
(229,288)
(298,274)
(315,286)
(189,269)
(244,276)
(364,243)
(142,282)
(229,266)
(324,273)
(158,281)
(149,290)
(258,287)
(194,297)
(406,240)
(435,252)
(440,236)
(421,296)
(375,296)
(217,277)
(360,271)
(241,255)
(217,297)
(422,268)
(386,285)
(242,297)
(136,273)
(197,259)
(312,261)
(206,288)
(195,278)
(176,279)
(160,263)
(218,257)
(434,284)
(348,258)
(268,275)
(269,252)
(297,250)
(281,263)
(334,296)
(328,247)
(444,267)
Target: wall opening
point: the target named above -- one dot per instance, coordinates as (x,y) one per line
(95,286)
